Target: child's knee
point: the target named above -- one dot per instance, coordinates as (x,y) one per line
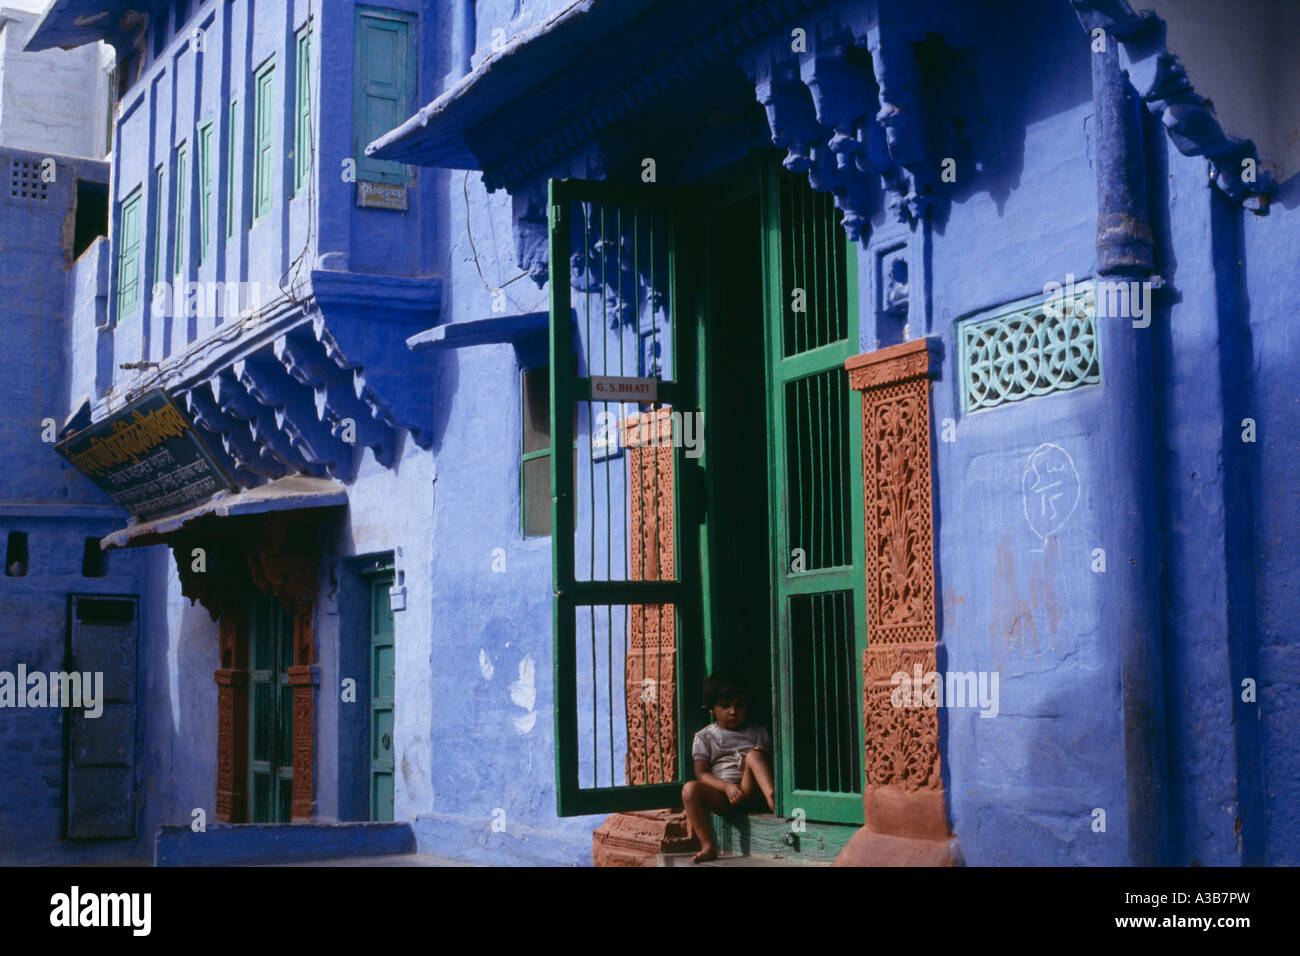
(690,790)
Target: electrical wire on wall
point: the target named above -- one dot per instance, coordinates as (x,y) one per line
(474,251)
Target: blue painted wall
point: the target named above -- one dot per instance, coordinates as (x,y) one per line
(1195,524)
(41,496)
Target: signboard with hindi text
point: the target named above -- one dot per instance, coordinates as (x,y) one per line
(147,458)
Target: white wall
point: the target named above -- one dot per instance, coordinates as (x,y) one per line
(1240,56)
(49,101)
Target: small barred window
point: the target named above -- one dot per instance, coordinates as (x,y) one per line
(25,181)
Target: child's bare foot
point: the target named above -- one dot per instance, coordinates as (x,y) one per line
(707,852)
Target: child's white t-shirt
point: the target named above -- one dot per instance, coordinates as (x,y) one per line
(725,749)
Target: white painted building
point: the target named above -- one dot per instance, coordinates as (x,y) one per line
(55,101)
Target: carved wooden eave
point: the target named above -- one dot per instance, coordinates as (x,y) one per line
(1162,83)
(300,385)
(263,552)
(537,107)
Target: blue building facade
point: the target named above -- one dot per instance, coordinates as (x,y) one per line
(895,344)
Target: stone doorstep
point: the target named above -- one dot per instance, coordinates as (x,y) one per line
(649,837)
(735,859)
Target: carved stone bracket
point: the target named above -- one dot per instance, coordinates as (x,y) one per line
(847,114)
(1162,83)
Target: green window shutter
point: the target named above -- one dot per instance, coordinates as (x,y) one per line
(159,226)
(263,133)
(626,599)
(128,263)
(205,191)
(182,200)
(230,170)
(383,84)
(302,145)
(535,457)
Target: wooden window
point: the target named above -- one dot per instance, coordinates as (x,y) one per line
(110,107)
(264,137)
(205,191)
(302,139)
(182,200)
(128,262)
(230,170)
(535,459)
(159,226)
(383,86)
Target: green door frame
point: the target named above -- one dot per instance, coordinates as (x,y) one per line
(788,583)
(570,594)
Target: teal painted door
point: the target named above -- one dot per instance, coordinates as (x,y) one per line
(270,719)
(383,87)
(381,698)
(815,468)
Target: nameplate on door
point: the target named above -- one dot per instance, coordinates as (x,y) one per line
(379,196)
(624,388)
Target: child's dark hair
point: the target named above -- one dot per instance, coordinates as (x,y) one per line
(722,687)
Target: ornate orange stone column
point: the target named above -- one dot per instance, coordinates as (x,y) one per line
(232,717)
(903,801)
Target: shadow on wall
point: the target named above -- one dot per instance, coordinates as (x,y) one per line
(980,99)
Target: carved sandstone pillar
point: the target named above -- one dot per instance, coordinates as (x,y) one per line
(232,718)
(652,628)
(903,799)
(636,839)
(304,678)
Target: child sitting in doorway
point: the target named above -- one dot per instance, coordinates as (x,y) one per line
(733,768)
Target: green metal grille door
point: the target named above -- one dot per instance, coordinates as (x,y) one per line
(625,564)
(381,698)
(816,504)
(270,701)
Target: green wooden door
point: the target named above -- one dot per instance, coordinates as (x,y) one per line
(270,702)
(625,563)
(381,697)
(815,469)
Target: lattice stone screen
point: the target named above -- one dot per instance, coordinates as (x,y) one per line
(25,181)
(1031,348)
